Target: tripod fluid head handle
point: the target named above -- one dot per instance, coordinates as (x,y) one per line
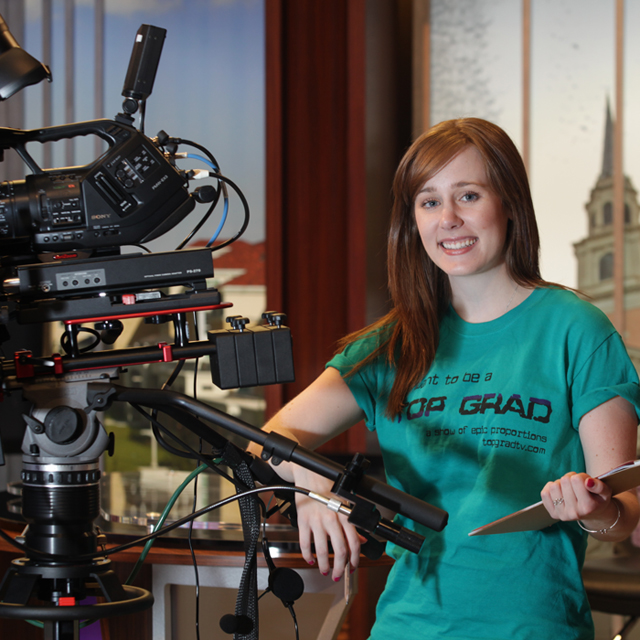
(286,449)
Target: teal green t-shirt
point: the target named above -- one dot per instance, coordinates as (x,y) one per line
(495,418)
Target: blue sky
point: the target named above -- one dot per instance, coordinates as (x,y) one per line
(209,87)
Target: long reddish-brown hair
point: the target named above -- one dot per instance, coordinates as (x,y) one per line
(420,292)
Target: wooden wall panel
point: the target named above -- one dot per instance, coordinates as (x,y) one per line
(316,177)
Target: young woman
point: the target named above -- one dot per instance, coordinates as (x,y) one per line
(487,387)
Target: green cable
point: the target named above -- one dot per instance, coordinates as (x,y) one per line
(161,520)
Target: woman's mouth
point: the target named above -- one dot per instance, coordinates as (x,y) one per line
(452,245)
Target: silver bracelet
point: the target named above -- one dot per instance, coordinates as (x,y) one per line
(606,529)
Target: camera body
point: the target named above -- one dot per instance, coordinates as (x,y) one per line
(132,193)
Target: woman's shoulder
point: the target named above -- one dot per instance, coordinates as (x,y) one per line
(359,347)
(565,306)
(366,342)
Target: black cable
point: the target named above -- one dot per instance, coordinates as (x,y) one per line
(157,427)
(200,224)
(215,163)
(190,453)
(64,340)
(193,555)
(141,246)
(196,331)
(178,415)
(174,374)
(245,205)
(180,334)
(194,561)
(167,447)
(169,382)
(193,424)
(194,453)
(295,620)
(270,563)
(198,146)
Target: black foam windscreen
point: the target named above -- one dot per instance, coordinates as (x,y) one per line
(286,584)
(241,625)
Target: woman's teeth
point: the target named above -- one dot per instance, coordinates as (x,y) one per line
(459,244)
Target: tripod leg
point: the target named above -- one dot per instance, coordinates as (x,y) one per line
(626,629)
(17,588)
(110,585)
(61,630)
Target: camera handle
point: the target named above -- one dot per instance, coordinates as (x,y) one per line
(110,131)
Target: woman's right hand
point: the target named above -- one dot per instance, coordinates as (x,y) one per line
(323,410)
(319,526)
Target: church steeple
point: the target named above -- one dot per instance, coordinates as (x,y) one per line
(607,154)
(595,252)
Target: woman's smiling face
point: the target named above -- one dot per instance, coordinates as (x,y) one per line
(460,219)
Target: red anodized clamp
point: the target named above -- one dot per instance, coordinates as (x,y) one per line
(167,352)
(23,364)
(58,367)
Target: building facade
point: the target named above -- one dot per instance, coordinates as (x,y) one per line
(594,253)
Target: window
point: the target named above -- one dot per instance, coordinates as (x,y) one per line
(607,213)
(606,266)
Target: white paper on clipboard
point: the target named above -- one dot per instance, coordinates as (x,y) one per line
(536,517)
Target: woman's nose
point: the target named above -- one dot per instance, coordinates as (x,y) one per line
(449,218)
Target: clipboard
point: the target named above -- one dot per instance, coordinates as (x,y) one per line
(536,517)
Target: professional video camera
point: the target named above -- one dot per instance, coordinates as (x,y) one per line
(61,234)
(132,193)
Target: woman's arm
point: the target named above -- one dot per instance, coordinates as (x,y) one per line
(608,434)
(323,410)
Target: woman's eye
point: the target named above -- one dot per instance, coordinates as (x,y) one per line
(470,197)
(429,204)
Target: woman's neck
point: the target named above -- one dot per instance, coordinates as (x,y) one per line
(485,297)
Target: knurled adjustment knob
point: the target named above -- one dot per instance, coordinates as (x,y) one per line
(238,322)
(275,318)
(63,425)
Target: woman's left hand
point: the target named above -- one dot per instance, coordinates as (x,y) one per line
(578,496)
(608,436)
